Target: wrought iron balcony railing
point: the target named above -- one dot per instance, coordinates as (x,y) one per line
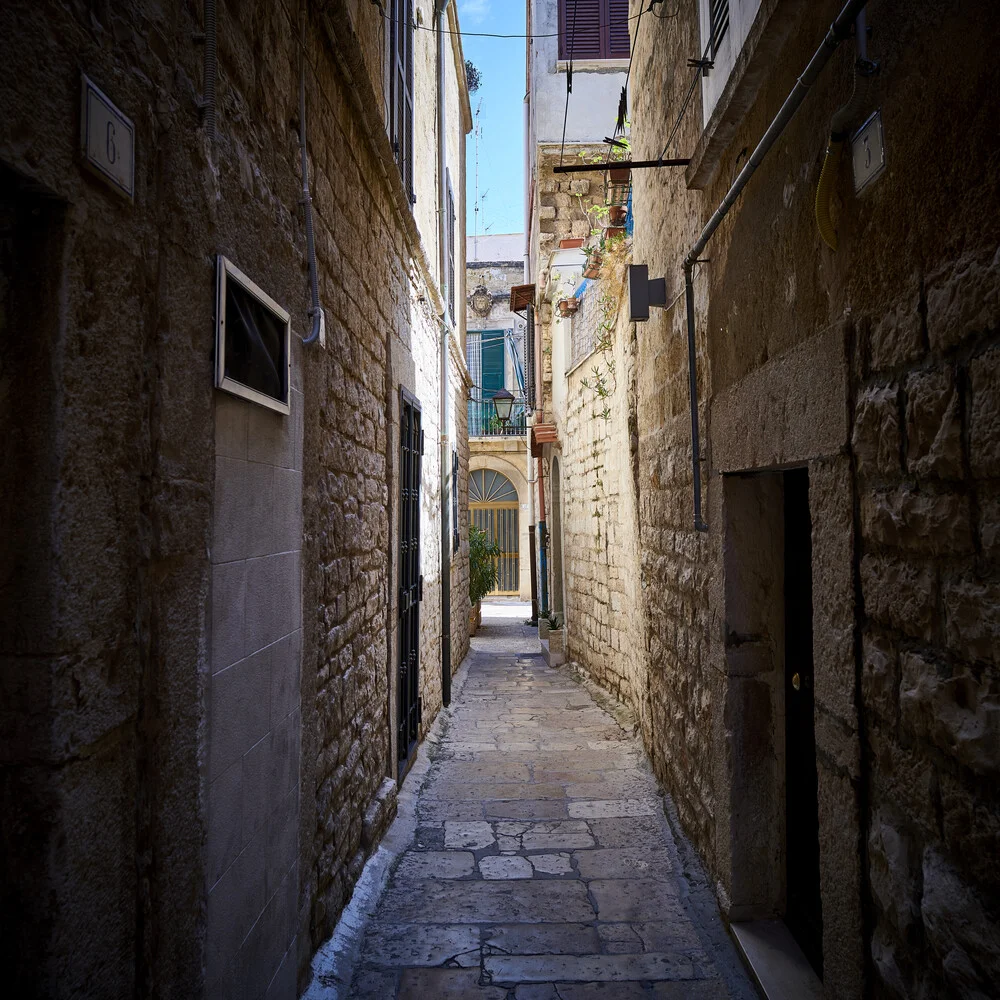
(483,420)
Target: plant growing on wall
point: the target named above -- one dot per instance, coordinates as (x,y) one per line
(484,555)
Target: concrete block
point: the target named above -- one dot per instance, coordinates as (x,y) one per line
(286,670)
(229,517)
(286,512)
(224,839)
(272,599)
(271,435)
(261,517)
(238,711)
(234,904)
(284,985)
(256,802)
(231,418)
(228,607)
(283,773)
(282,839)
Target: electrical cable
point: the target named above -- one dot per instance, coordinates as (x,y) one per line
(569,84)
(493,34)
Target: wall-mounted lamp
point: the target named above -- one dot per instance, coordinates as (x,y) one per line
(643,293)
(503,401)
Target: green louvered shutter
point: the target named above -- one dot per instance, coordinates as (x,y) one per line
(492,355)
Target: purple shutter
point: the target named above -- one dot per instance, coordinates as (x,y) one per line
(618,29)
(580,29)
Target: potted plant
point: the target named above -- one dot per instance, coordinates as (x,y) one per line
(614,233)
(553,645)
(484,554)
(571,243)
(593,268)
(616,215)
(569,306)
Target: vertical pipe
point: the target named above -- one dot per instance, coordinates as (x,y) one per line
(699,524)
(543,571)
(211,69)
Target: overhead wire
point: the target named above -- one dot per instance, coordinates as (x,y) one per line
(494,34)
(569,84)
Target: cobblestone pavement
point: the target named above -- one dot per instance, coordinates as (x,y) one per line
(543,866)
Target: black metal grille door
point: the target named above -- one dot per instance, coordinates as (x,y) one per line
(410,449)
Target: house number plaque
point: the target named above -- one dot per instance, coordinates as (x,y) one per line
(868,152)
(107,140)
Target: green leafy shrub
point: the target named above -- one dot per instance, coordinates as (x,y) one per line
(484,554)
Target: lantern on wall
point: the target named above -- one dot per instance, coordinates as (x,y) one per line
(503,401)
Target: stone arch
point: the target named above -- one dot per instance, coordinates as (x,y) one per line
(513,468)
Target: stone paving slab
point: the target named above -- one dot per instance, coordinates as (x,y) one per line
(541,864)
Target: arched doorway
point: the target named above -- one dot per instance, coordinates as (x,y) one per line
(493,507)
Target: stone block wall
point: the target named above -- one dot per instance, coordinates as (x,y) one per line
(204,595)
(874,368)
(925,438)
(605,615)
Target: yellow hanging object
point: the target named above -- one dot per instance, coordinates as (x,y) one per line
(824,192)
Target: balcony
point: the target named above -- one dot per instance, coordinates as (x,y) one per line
(483,420)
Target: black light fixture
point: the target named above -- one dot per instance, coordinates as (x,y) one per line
(502,403)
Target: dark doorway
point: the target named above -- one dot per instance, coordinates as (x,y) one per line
(803,915)
(411,447)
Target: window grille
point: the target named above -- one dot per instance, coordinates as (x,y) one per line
(401,90)
(585,326)
(593,29)
(529,356)
(718,20)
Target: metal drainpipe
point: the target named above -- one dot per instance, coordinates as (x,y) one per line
(211,70)
(443,237)
(840,30)
(315,310)
(543,571)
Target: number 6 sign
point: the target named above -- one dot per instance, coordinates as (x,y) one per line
(107,140)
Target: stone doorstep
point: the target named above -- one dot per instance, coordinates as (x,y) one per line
(776,961)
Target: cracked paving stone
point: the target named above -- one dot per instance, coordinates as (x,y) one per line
(542,866)
(511,866)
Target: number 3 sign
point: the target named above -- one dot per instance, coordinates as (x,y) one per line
(107,139)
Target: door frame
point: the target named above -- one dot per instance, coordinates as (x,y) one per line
(407,680)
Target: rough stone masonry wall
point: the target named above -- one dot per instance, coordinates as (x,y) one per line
(383,333)
(561,210)
(605,607)
(102,693)
(677,561)
(907,739)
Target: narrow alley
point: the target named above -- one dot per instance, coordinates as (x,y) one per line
(542,864)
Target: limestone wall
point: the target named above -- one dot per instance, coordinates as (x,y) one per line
(604,604)
(872,367)
(198,603)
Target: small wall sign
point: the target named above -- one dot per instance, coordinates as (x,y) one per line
(868,152)
(107,139)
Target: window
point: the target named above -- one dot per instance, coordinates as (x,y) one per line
(718,22)
(401,90)
(593,29)
(252,340)
(725,27)
(450,236)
